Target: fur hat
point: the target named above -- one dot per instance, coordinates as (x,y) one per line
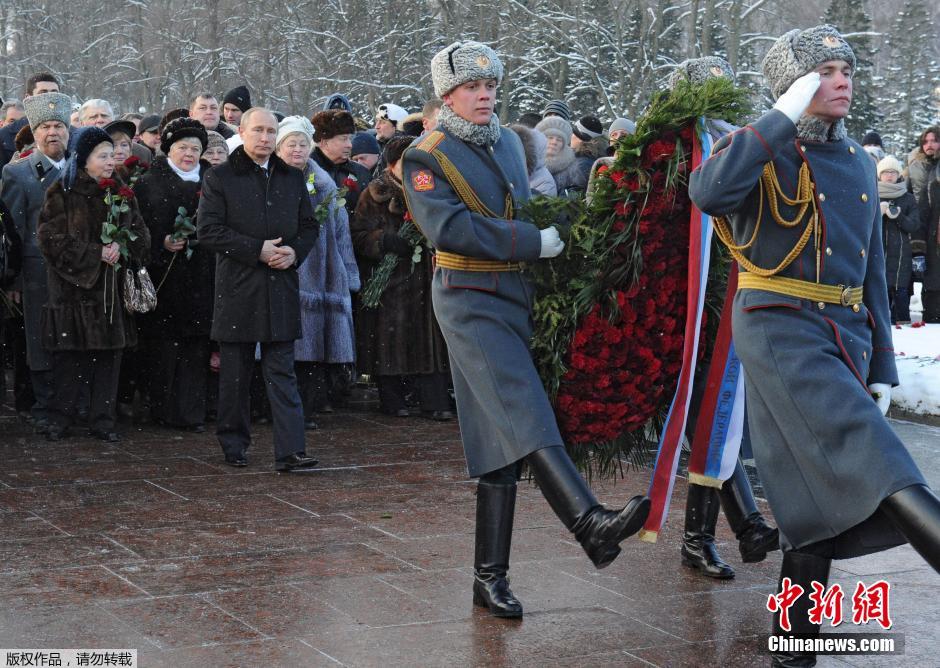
(240,97)
(216,141)
(24,137)
(621,124)
(328,124)
(48,107)
(413,124)
(800,51)
(391,112)
(462,62)
(293,124)
(181,128)
(699,70)
(587,128)
(889,164)
(555,126)
(84,142)
(365,143)
(172,115)
(557,108)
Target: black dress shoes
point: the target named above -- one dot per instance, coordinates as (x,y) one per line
(299,461)
(55,432)
(238,461)
(439,416)
(105,435)
(310,424)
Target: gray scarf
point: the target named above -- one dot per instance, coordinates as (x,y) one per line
(560,161)
(891,190)
(481,135)
(816,129)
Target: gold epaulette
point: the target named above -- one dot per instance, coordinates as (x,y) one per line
(431,141)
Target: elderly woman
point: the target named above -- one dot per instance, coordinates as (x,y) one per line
(177,332)
(84,322)
(327,277)
(899,218)
(399,341)
(216,150)
(560,157)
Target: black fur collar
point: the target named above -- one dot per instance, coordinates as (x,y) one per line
(242,164)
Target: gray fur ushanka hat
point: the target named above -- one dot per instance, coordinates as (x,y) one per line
(462,62)
(699,70)
(799,51)
(48,107)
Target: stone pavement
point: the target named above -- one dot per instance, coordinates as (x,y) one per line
(154,544)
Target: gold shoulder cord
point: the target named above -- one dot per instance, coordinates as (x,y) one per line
(770,188)
(467,195)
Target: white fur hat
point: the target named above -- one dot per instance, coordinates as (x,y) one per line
(462,62)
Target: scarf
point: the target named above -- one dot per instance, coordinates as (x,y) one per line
(891,190)
(816,129)
(481,135)
(560,161)
(191,176)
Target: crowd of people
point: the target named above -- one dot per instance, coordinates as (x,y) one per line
(225,261)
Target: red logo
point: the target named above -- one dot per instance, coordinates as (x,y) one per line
(422,180)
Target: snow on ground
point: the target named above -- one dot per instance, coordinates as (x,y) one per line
(917,351)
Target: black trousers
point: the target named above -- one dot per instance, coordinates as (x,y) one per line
(14,336)
(277,367)
(432,391)
(931,303)
(178,377)
(86,373)
(320,384)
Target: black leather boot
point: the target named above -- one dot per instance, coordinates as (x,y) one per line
(802,569)
(599,530)
(496,505)
(915,511)
(698,541)
(755,537)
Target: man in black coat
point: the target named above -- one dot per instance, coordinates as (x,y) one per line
(255,214)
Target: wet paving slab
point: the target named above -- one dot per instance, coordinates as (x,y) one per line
(153,543)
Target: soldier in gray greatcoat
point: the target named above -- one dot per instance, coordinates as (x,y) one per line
(811,322)
(463,182)
(23,190)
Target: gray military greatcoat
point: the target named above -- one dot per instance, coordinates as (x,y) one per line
(24,191)
(485,316)
(826,455)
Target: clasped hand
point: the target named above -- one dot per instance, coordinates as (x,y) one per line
(275,256)
(110,253)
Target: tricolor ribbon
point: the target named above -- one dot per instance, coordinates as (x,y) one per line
(667,456)
(720,425)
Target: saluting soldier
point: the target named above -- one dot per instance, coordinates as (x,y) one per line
(463,183)
(800,212)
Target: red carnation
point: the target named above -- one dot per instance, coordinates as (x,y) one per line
(107,184)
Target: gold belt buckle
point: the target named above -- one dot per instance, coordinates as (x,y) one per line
(844,296)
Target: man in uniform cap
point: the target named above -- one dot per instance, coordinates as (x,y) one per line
(23,190)
(811,323)
(463,183)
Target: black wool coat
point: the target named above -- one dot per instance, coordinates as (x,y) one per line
(896,234)
(85,307)
(239,209)
(401,335)
(929,232)
(184,301)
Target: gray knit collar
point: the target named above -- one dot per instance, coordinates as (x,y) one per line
(461,128)
(812,128)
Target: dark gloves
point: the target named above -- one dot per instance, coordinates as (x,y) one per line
(392,243)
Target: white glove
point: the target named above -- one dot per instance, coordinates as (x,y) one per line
(798,96)
(884,208)
(881,393)
(552,244)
